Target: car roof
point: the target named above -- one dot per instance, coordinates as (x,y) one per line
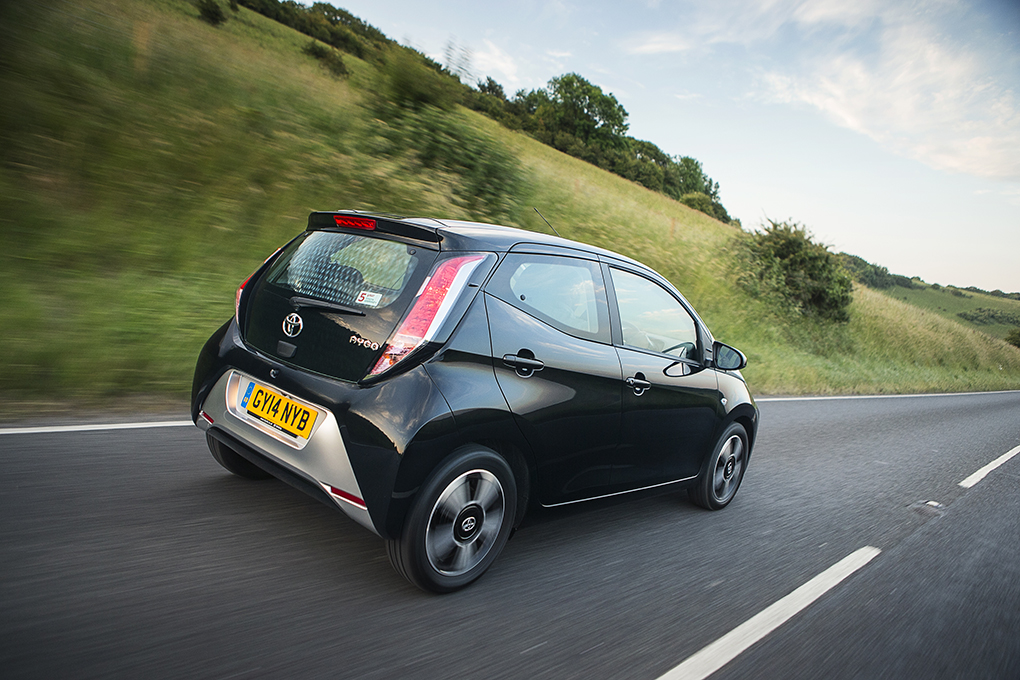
(458,235)
(466,235)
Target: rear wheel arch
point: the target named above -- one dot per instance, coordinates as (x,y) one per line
(523,469)
(422,458)
(459,520)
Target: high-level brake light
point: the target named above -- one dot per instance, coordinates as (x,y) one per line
(354,222)
(429,310)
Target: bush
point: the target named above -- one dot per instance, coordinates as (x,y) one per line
(871,275)
(490,177)
(984,316)
(904,282)
(211,12)
(698,201)
(782,261)
(1013,337)
(330,58)
(410,83)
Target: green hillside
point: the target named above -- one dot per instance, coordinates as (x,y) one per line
(996,316)
(150,161)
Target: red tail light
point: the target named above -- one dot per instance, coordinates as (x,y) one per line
(429,309)
(240,289)
(237,297)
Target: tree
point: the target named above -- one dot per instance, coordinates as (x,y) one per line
(691,179)
(581,109)
(1013,337)
(458,61)
(491,87)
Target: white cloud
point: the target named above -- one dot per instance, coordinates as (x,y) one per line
(657,43)
(837,12)
(892,71)
(492,61)
(918,94)
(743,23)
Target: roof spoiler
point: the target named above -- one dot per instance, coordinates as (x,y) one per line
(387,224)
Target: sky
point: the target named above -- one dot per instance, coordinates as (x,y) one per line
(890,129)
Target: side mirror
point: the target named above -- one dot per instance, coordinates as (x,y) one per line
(728,358)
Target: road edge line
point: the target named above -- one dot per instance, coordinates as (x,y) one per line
(57,429)
(703,663)
(834,397)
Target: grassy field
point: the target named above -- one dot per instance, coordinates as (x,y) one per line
(949,302)
(149,162)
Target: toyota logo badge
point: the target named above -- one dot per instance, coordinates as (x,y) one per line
(292,325)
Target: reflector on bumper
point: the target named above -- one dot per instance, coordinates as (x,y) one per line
(341,495)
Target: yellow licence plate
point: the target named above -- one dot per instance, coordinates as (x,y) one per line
(278,411)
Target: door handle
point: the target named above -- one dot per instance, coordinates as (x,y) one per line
(524,366)
(639,384)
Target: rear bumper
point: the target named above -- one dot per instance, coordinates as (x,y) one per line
(319,466)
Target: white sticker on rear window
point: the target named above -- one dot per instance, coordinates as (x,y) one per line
(369,299)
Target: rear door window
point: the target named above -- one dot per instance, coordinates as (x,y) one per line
(565,292)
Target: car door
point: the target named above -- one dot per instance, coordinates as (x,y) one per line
(556,365)
(671,402)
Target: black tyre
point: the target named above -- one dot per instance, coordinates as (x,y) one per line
(459,522)
(722,471)
(232,461)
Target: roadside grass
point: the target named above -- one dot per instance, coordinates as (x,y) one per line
(891,346)
(149,162)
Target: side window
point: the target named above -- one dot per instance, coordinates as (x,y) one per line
(564,292)
(652,319)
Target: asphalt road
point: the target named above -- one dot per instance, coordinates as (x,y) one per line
(130,553)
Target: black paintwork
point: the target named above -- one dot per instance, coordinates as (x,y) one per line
(573,430)
(569,411)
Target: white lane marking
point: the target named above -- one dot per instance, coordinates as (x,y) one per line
(716,655)
(884,396)
(980,474)
(95,428)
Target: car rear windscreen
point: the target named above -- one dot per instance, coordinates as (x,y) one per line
(348,291)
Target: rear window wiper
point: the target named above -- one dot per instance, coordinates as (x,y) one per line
(297,302)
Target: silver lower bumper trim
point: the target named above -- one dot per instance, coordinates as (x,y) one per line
(322,458)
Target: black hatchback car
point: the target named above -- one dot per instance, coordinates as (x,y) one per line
(435,379)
